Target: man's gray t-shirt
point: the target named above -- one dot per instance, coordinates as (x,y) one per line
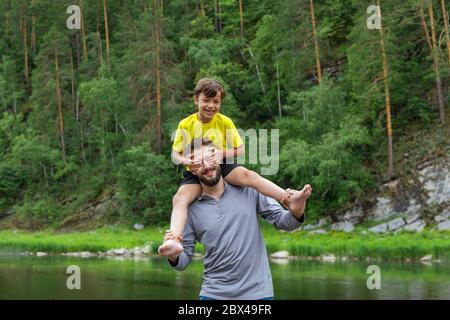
(236,261)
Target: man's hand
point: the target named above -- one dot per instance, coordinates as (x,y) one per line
(170,236)
(296,201)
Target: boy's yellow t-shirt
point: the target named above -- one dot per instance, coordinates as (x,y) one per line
(221,131)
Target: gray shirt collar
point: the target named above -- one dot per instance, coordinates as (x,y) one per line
(203,196)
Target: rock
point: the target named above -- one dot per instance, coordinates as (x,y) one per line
(41,254)
(383,208)
(324,221)
(416,226)
(85,254)
(443,216)
(444,225)
(296,230)
(354,216)
(413,208)
(146,250)
(343,226)
(328,258)
(380,228)
(412,218)
(428,257)
(395,224)
(280,261)
(280,255)
(435,179)
(310,227)
(120,252)
(318,231)
(197,256)
(138,226)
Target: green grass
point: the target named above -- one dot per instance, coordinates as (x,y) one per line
(356,244)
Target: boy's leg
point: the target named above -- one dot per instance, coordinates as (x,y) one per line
(241,176)
(185,195)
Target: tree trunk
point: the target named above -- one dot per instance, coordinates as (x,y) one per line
(105,13)
(217,22)
(447,32)
(158,79)
(33,28)
(59,102)
(241,15)
(14,99)
(83,32)
(77,46)
(99,37)
(425,28)
(25,47)
(436,67)
(316,43)
(72,79)
(390,170)
(278,84)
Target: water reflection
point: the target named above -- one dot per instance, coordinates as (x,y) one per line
(101,278)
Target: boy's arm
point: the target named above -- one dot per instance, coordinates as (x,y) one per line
(178,158)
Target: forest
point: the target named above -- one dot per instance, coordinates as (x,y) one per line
(89,109)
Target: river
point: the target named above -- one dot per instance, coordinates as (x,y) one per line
(30,277)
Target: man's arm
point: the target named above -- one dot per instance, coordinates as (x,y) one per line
(275,214)
(181,261)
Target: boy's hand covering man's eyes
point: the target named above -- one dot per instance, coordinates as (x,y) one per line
(192,162)
(216,155)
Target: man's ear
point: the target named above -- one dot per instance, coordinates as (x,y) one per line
(195,100)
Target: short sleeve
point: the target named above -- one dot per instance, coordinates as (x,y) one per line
(181,138)
(233,135)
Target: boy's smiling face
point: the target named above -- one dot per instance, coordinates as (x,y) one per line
(208,106)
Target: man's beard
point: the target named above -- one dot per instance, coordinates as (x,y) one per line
(213,180)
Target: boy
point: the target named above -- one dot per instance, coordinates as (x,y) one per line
(209,123)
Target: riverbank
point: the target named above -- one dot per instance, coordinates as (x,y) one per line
(359,244)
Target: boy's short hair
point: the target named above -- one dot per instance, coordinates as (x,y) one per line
(209,87)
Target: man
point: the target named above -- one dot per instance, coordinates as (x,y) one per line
(224,219)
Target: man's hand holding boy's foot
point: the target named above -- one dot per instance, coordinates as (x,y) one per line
(296,201)
(171,246)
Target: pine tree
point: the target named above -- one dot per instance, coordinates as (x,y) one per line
(436,65)
(387,94)
(445,17)
(51,96)
(316,43)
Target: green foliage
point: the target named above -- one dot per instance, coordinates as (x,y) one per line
(332,135)
(45,209)
(146,185)
(325,147)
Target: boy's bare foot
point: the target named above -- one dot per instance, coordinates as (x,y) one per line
(170,248)
(297,201)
